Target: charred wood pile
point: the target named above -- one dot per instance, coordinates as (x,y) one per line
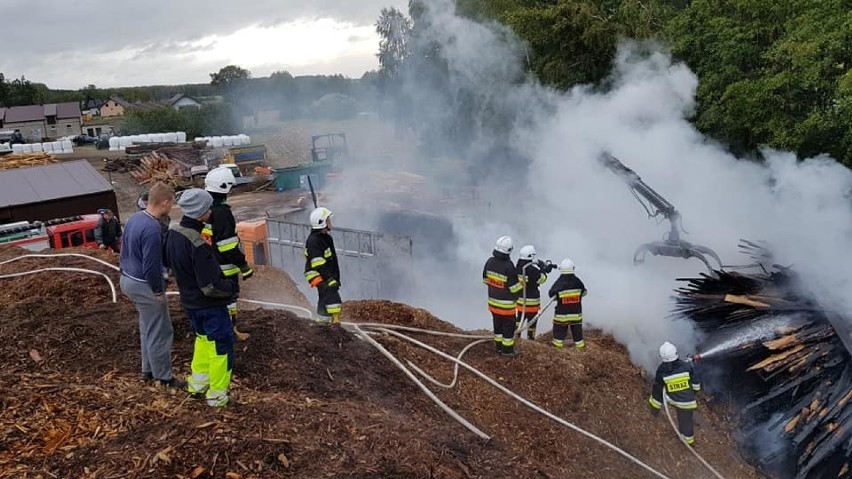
(771,348)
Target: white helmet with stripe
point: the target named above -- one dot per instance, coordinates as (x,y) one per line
(528,252)
(668,352)
(566,266)
(219,180)
(504,245)
(320,217)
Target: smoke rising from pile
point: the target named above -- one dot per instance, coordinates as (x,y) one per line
(566,204)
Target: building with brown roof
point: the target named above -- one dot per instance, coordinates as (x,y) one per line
(50,121)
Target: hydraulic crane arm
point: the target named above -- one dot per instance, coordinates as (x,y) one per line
(656,205)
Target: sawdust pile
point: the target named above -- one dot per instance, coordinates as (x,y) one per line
(315,401)
(291,147)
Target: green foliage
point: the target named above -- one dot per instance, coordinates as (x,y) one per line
(19,91)
(774,74)
(228,77)
(210,119)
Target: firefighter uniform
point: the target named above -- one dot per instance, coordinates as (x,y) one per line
(221,232)
(531,278)
(501,276)
(322,271)
(568,291)
(677,379)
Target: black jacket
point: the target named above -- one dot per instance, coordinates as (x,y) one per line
(532,278)
(222,231)
(568,291)
(501,276)
(107,232)
(196,270)
(681,383)
(321,266)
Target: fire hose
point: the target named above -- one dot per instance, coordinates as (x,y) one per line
(691,449)
(518,398)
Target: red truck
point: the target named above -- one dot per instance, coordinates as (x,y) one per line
(72,232)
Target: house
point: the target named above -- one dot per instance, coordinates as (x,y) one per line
(91,108)
(113,106)
(181,101)
(36,122)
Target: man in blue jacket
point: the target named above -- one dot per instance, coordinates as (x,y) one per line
(142,281)
(204,294)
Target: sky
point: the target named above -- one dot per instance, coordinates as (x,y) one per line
(131,42)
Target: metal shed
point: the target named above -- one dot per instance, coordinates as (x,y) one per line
(52,191)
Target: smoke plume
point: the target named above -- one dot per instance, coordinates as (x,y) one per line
(532,155)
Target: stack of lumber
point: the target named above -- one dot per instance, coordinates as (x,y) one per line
(10,162)
(157,167)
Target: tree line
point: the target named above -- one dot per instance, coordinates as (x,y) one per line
(772,74)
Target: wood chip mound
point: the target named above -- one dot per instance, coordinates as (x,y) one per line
(315,401)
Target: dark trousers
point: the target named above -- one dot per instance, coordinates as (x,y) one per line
(686,424)
(519,318)
(504,332)
(328,303)
(560,332)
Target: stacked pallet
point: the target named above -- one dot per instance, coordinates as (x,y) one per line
(10,162)
(157,167)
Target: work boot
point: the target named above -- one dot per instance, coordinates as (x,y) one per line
(145,377)
(241,336)
(173,383)
(509,351)
(499,347)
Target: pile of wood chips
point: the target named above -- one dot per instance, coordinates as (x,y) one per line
(10,162)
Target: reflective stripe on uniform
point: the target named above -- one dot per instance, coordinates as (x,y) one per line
(228,244)
(516,288)
(495,280)
(654,403)
(570,296)
(580,344)
(568,318)
(558,343)
(317,262)
(333,308)
(530,301)
(229,269)
(502,303)
(327,253)
(509,342)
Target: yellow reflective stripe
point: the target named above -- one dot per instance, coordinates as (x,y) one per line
(530,302)
(333,308)
(497,276)
(317,262)
(542,278)
(571,293)
(684,404)
(516,288)
(309,275)
(654,403)
(568,318)
(509,341)
(696,387)
(207,230)
(502,303)
(327,253)
(228,244)
(229,269)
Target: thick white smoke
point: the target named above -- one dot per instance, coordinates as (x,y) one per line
(568,205)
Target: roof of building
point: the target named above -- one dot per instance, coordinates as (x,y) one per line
(37,184)
(19,114)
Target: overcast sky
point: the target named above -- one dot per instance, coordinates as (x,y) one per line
(72,43)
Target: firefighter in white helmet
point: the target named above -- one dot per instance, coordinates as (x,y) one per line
(568,291)
(677,380)
(221,232)
(501,277)
(322,270)
(532,274)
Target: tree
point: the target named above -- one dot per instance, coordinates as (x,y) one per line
(210,119)
(394,30)
(229,77)
(23,92)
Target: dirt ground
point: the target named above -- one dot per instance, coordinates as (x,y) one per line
(312,401)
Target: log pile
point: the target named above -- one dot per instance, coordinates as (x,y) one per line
(157,167)
(777,352)
(10,162)
(122,165)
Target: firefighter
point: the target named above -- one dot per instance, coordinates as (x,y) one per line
(531,277)
(221,232)
(568,291)
(204,295)
(677,380)
(501,277)
(108,231)
(322,270)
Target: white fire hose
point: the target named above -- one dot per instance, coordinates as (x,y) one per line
(691,449)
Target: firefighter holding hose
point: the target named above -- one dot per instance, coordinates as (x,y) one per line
(501,277)
(532,274)
(676,380)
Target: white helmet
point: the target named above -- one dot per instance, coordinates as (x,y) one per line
(504,245)
(528,252)
(668,352)
(219,180)
(319,218)
(566,266)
